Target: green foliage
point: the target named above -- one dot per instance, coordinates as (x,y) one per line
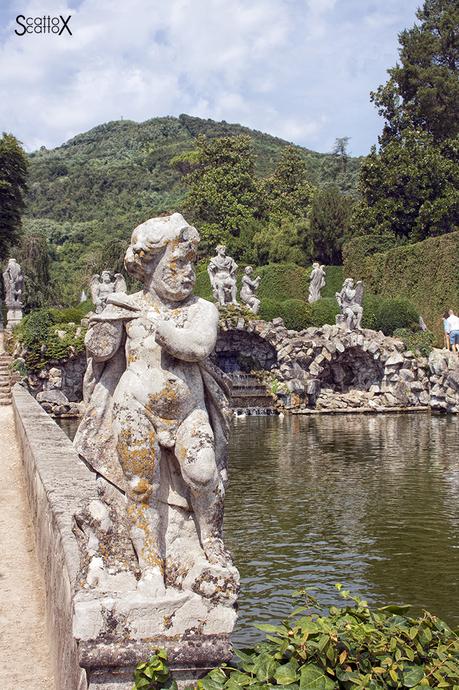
(222,187)
(37,332)
(324,311)
(410,186)
(423,89)
(407,272)
(329,223)
(34,256)
(296,314)
(288,191)
(13,176)
(395,313)
(352,647)
(356,249)
(154,673)
(283,241)
(416,341)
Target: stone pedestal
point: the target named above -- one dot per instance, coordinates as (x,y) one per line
(13,316)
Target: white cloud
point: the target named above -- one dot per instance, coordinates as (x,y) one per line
(300,69)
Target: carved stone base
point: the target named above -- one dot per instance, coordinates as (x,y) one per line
(13,317)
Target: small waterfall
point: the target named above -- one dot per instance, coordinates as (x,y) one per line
(249,395)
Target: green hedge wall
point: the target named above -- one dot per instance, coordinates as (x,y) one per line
(425,273)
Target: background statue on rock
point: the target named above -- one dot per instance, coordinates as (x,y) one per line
(104,285)
(350,302)
(156,420)
(222,275)
(316,282)
(13,281)
(248,290)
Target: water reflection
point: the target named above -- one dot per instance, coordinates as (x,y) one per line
(371,501)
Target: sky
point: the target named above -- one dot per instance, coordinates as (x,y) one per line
(298,69)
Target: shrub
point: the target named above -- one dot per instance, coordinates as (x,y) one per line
(324,311)
(392,314)
(351,648)
(269,309)
(296,314)
(416,341)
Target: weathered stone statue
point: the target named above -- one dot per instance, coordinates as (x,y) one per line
(156,428)
(350,302)
(13,281)
(316,282)
(104,285)
(248,290)
(222,275)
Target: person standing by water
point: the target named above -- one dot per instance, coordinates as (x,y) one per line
(447,344)
(452,328)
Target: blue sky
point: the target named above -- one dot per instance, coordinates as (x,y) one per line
(299,69)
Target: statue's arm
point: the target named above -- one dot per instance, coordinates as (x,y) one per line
(103,339)
(194,342)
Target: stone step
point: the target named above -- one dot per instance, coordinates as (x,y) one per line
(3,403)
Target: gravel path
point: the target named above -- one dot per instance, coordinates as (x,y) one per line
(24,652)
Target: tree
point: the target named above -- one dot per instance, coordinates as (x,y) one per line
(410,186)
(341,154)
(34,257)
(288,191)
(329,223)
(13,175)
(223,193)
(422,92)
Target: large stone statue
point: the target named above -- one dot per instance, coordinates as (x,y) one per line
(350,302)
(248,289)
(222,275)
(104,285)
(13,281)
(316,282)
(156,427)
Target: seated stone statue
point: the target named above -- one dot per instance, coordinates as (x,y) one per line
(156,424)
(248,289)
(104,285)
(222,275)
(350,302)
(316,282)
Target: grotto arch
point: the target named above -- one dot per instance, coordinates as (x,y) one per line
(352,369)
(243,351)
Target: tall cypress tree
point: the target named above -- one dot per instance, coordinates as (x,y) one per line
(13,176)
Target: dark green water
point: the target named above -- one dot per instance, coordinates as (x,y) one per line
(369,501)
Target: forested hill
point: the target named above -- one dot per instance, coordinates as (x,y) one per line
(122,170)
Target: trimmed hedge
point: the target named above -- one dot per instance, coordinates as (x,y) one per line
(426,273)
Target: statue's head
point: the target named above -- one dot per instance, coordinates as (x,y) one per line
(248,270)
(221,249)
(316,264)
(349,282)
(162,254)
(106,276)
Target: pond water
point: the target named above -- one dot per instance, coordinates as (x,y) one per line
(369,501)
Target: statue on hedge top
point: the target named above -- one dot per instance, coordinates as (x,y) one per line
(222,275)
(316,282)
(156,424)
(13,281)
(350,302)
(104,285)
(248,290)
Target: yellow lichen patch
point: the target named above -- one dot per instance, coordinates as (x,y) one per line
(132,357)
(166,401)
(137,456)
(150,552)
